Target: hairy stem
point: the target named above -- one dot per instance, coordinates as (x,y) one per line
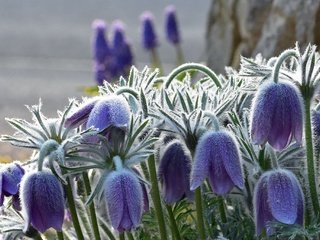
(199,211)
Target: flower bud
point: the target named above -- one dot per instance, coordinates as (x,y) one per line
(217,157)
(124,199)
(149,38)
(171,25)
(277,196)
(276,115)
(174,171)
(10,177)
(42,201)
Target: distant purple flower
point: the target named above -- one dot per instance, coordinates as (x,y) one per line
(171,25)
(121,48)
(149,37)
(124,199)
(42,201)
(278,197)
(217,157)
(10,178)
(276,115)
(101,112)
(101,49)
(174,171)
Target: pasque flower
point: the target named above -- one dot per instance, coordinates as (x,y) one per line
(42,201)
(174,171)
(10,177)
(171,25)
(217,157)
(149,37)
(101,48)
(276,115)
(278,197)
(124,199)
(101,112)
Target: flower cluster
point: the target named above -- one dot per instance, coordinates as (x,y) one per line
(216,156)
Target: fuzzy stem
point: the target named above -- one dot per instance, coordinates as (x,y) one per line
(117,162)
(92,210)
(155,194)
(60,235)
(173,224)
(130,236)
(121,236)
(310,156)
(262,160)
(222,210)
(283,56)
(199,211)
(192,66)
(73,211)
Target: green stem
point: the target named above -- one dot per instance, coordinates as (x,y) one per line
(155,194)
(310,157)
(173,224)
(130,236)
(199,211)
(60,235)
(92,210)
(222,210)
(121,236)
(192,66)
(283,56)
(73,211)
(155,60)
(262,161)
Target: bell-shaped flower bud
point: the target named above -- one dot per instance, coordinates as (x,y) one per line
(101,50)
(42,201)
(171,25)
(217,157)
(101,112)
(276,115)
(149,37)
(124,199)
(277,197)
(111,110)
(10,178)
(174,172)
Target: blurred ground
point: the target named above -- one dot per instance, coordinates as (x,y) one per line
(45,49)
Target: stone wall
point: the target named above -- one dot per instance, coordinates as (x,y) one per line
(249,27)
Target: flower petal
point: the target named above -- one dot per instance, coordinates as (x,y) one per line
(282,197)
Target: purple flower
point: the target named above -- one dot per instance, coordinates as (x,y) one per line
(217,157)
(316,123)
(276,115)
(121,49)
(149,38)
(171,25)
(101,112)
(42,201)
(278,197)
(124,199)
(174,171)
(10,178)
(101,49)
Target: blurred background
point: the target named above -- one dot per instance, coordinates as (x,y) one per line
(45,49)
(45,46)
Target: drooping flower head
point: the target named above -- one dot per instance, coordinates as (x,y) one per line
(124,199)
(100,47)
(171,25)
(277,197)
(276,115)
(42,201)
(217,157)
(174,171)
(149,37)
(10,178)
(101,112)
